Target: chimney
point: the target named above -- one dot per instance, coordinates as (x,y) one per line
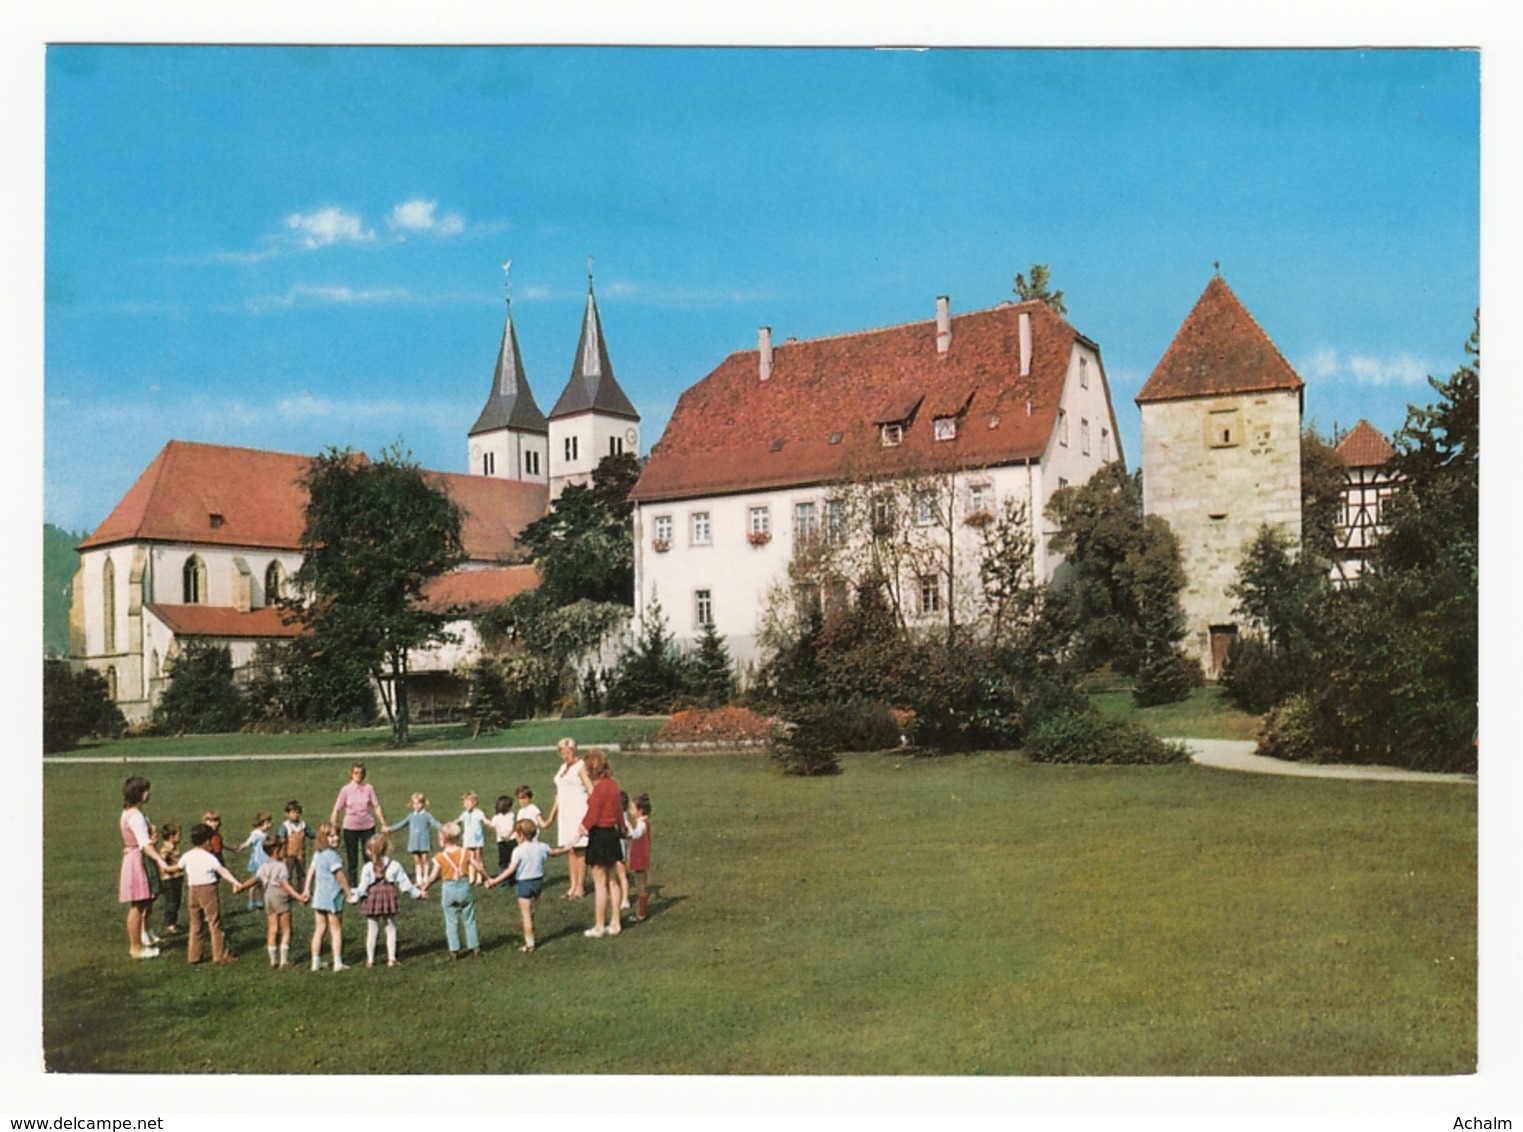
(943,324)
(1025,343)
(764,348)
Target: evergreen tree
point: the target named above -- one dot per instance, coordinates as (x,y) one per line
(712,673)
(1039,288)
(649,675)
(75,704)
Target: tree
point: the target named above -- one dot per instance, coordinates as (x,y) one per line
(1116,598)
(202,697)
(711,674)
(75,704)
(584,548)
(299,682)
(1039,289)
(1399,675)
(1322,482)
(648,677)
(376,533)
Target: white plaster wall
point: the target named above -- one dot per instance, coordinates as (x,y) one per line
(741,576)
(593,432)
(509,447)
(1216,498)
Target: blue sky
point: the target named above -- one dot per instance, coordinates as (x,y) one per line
(296,247)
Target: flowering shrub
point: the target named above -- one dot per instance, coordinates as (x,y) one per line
(904,720)
(759,538)
(979,519)
(660,545)
(719,727)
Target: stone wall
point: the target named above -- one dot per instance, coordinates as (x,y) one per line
(1218,468)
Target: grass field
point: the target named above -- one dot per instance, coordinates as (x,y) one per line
(1205,715)
(962,915)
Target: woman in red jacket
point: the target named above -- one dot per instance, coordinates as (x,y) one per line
(603,824)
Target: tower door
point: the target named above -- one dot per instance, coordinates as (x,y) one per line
(1222,637)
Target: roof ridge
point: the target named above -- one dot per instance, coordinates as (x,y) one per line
(903,325)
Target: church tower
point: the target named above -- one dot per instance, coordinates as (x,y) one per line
(1221,455)
(510,439)
(593,418)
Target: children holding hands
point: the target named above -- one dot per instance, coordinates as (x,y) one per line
(458,868)
(420,825)
(528,866)
(327,888)
(274,878)
(377,893)
(202,871)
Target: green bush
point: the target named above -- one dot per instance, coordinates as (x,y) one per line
(1084,737)
(491,706)
(1289,732)
(297,684)
(202,697)
(1253,678)
(74,705)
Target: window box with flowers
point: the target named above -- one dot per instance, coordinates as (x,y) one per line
(661,545)
(978,519)
(759,538)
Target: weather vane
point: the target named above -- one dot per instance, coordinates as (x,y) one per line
(589,270)
(1216,263)
(507,280)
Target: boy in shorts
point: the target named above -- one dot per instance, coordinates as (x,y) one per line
(528,866)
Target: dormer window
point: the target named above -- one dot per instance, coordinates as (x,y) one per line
(216,520)
(945,428)
(892,435)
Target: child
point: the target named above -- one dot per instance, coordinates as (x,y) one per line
(274,878)
(623,873)
(503,822)
(202,871)
(327,888)
(155,887)
(528,864)
(254,843)
(527,810)
(459,869)
(213,820)
(472,822)
(172,877)
(297,835)
(419,823)
(639,850)
(379,881)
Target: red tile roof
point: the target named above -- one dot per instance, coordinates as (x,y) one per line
(1220,349)
(734,432)
(221,621)
(213,495)
(475,591)
(1364,447)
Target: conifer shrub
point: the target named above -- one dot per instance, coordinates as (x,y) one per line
(1086,738)
(202,697)
(805,743)
(1253,678)
(76,704)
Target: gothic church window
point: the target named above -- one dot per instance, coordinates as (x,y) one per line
(274,582)
(108,607)
(194,576)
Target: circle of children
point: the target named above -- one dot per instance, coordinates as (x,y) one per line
(292,863)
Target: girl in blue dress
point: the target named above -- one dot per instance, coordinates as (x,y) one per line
(420,825)
(327,887)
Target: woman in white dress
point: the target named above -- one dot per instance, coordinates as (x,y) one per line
(572,786)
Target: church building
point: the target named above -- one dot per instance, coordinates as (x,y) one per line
(202,545)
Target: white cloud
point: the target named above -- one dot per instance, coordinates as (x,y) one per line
(328,226)
(318,294)
(1397,369)
(417,215)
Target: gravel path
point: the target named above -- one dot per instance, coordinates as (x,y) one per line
(1237,754)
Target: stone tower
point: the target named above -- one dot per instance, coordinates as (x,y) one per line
(593,418)
(1221,455)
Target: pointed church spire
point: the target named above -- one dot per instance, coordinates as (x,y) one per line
(592,386)
(510,404)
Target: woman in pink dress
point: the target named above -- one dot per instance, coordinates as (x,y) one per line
(134,891)
(357,811)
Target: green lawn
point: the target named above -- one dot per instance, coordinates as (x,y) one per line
(963,915)
(1205,715)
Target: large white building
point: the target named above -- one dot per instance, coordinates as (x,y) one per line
(754,467)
